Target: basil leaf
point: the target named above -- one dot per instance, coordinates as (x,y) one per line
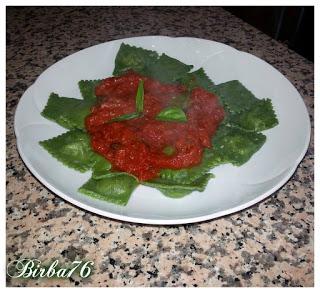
(125,117)
(173,114)
(140,97)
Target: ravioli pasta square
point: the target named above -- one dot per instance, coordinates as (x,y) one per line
(87,89)
(72,149)
(67,112)
(116,189)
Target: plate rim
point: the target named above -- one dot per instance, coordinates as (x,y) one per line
(289,171)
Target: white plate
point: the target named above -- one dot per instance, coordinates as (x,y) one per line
(233,189)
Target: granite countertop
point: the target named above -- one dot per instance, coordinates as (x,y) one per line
(269,244)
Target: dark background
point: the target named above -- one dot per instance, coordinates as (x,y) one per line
(292,25)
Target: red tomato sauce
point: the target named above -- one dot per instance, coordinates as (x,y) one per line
(137,146)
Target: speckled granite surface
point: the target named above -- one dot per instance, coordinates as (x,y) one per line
(270,244)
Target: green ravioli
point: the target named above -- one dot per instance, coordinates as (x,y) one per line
(197,78)
(235,96)
(167,69)
(260,116)
(235,145)
(131,57)
(174,193)
(174,189)
(67,112)
(116,188)
(202,79)
(72,149)
(87,89)
(101,168)
(149,63)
